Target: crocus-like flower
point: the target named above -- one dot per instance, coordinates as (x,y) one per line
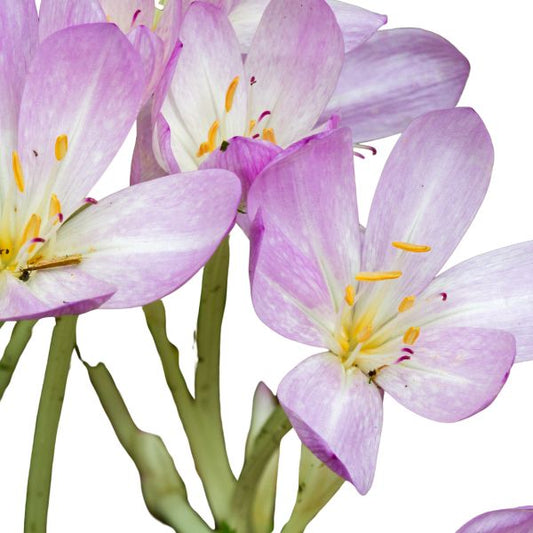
(519,520)
(442,346)
(63,120)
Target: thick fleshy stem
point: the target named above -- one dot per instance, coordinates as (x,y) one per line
(20,337)
(201,415)
(317,484)
(265,446)
(48,415)
(163,489)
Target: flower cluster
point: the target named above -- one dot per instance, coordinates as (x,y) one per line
(251,111)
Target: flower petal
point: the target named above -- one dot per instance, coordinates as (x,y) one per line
(127,14)
(18,39)
(519,520)
(149,239)
(393,78)
(453,373)
(55,15)
(431,188)
(54,292)
(309,248)
(197,93)
(296,57)
(357,24)
(85,82)
(337,414)
(246,158)
(492,290)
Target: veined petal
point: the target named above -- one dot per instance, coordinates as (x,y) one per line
(168,27)
(453,373)
(55,15)
(209,62)
(309,249)
(518,520)
(149,239)
(357,24)
(127,14)
(56,292)
(246,158)
(18,39)
(395,77)
(492,290)
(86,82)
(295,58)
(337,414)
(430,190)
(245,16)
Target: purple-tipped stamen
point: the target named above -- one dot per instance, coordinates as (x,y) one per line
(408,350)
(89,200)
(253,80)
(135,16)
(263,115)
(402,358)
(444,296)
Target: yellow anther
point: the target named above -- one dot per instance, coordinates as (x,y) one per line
(268,135)
(61,147)
(230,93)
(251,126)
(204,149)
(349,295)
(31,231)
(406,304)
(17,171)
(378,276)
(411,335)
(55,208)
(212,135)
(365,333)
(408,247)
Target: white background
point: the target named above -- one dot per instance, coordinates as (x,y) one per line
(430,477)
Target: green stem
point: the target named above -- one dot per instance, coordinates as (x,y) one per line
(265,446)
(51,402)
(163,489)
(19,339)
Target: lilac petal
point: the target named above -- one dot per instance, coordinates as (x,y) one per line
(197,94)
(438,171)
(85,82)
(128,14)
(395,77)
(309,249)
(492,290)
(245,16)
(144,166)
(151,50)
(453,373)
(149,239)
(518,520)
(18,39)
(246,158)
(54,292)
(337,414)
(296,57)
(169,26)
(357,24)
(55,15)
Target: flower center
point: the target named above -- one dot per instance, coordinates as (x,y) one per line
(218,132)
(358,342)
(23,233)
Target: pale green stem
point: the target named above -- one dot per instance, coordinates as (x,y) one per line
(163,489)
(19,339)
(48,415)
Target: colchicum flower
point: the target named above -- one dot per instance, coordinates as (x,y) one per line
(442,346)
(63,120)
(519,520)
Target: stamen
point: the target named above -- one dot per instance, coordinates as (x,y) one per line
(61,147)
(402,359)
(263,115)
(54,211)
(349,295)
(251,126)
(408,247)
(444,296)
(408,350)
(406,304)
(230,93)
(365,147)
(17,171)
(68,260)
(364,335)
(212,135)
(268,135)
(204,149)
(378,276)
(31,231)
(135,15)
(90,200)
(411,335)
